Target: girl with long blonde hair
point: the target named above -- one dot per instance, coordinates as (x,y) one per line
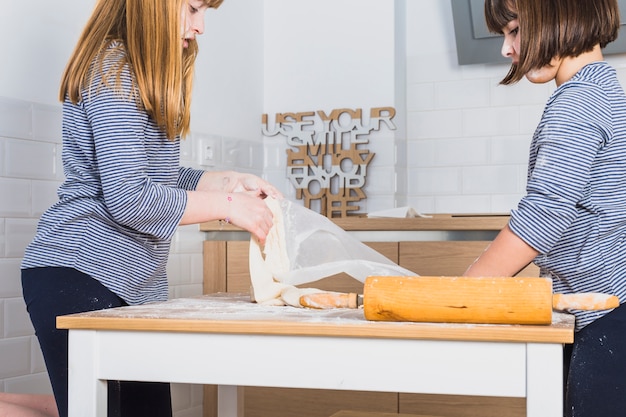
(126,94)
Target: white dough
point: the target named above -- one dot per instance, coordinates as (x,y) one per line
(273,259)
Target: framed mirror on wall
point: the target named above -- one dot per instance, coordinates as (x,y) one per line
(476,45)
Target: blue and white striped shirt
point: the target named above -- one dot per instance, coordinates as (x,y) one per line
(123,196)
(574,212)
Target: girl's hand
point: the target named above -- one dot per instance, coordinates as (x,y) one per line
(247,209)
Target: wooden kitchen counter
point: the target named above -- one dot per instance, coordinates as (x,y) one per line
(468,222)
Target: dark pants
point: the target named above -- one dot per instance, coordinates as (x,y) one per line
(52,292)
(596,368)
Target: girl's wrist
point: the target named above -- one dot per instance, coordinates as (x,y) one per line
(229,199)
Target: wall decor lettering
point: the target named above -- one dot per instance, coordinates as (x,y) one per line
(327,159)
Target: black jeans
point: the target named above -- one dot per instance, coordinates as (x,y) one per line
(51,292)
(595,366)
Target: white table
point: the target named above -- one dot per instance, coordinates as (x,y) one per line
(228,341)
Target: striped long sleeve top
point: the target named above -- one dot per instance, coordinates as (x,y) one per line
(123,194)
(574,211)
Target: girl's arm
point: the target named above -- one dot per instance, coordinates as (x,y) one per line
(234,197)
(504,257)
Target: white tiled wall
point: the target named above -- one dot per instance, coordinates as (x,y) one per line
(29,176)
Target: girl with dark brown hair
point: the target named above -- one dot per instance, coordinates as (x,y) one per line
(572,220)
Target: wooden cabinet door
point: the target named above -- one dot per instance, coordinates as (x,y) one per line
(446,258)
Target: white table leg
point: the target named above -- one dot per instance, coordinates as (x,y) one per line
(86,393)
(544,380)
(229,401)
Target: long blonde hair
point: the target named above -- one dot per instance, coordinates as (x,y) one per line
(150,32)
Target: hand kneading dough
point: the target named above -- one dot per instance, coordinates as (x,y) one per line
(272,259)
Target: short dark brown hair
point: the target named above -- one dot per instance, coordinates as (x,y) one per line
(553,28)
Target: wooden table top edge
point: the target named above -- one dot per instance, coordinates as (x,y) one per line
(379,330)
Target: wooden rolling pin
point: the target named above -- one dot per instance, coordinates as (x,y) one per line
(502,300)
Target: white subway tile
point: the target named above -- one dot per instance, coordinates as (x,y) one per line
(461,152)
(529,118)
(257,155)
(384,150)
(16,197)
(504,203)
(462,94)
(47,120)
(2,237)
(19,233)
(30,159)
(178,269)
(380,181)
(522,93)
(422,205)
(510,149)
(3,318)
(15,354)
(278,178)
(173,268)
(185,269)
(17,321)
(495,72)
(2,156)
(462,204)
(44,195)
(29,384)
(491,121)
(421,153)
(434,181)
(402,185)
(420,97)
(187,149)
(187,239)
(435,124)
(10,278)
(197,268)
(59,175)
(235,153)
(381,202)
(275,153)
(432,68)
(522,173)
(15,118)
(186,291)
(499,179)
